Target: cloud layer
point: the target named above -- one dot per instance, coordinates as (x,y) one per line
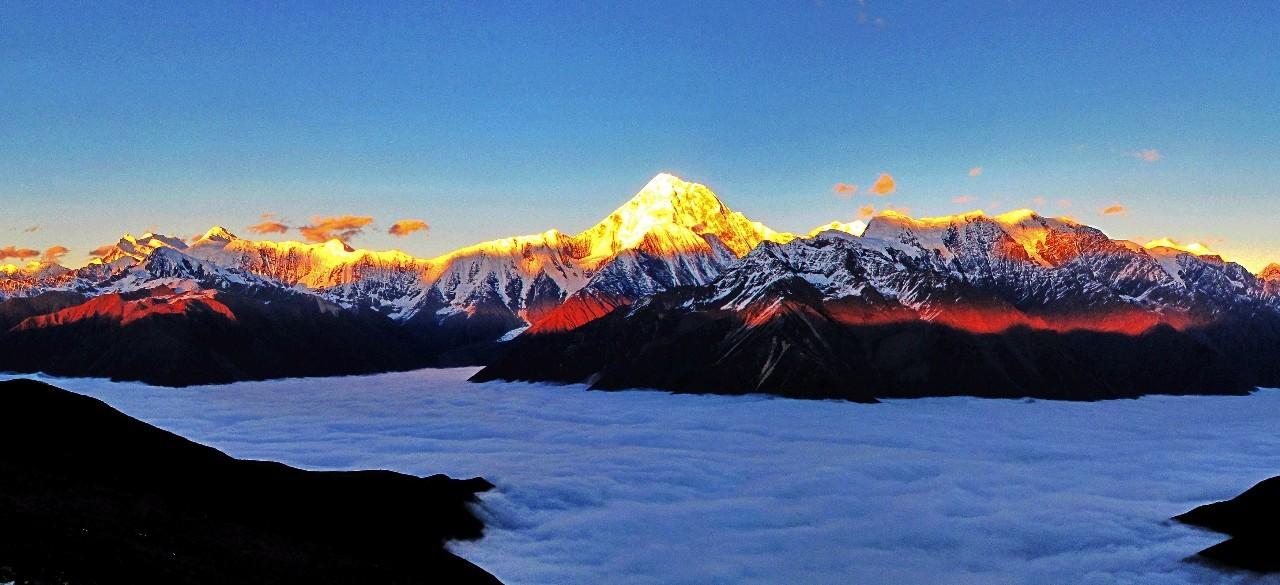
(405,227)
(651,488)
(17,253)
(844,190)
(54,254)
(884,185)
(1149,155)
(269,227)
(341,227)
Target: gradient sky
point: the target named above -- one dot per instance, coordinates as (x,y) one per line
(490,119)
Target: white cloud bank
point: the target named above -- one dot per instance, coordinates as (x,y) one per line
(647,487)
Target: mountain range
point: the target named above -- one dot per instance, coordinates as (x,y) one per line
(1005,305)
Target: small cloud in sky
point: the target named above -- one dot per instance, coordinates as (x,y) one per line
(1149,155)
(269,227)
(1039,201)
(31,230)
(405,227)
(101,251)
(844,190)
(1065,203)
(884,185)
(341,227)
(975,171)
(1116,209)
(268,215)
(962,199)
(54,254)
(866,211)
(865,18)
(18,253)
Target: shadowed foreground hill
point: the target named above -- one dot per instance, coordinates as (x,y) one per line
(1252,519)
(89,495)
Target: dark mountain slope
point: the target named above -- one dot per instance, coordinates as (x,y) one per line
(89,495)
(801,349)
(1252,519)
(1009,306)
(230,336)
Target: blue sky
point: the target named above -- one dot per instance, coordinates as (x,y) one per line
(489,119)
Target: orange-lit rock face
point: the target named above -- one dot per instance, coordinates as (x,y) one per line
(577,311)
(997,318)
(116,309)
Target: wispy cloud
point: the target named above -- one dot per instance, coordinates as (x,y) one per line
(18,253)
(865,18)
(1149,155)
(975,171)
(884,185)
(341,227)
(54,254)
(269,227)
(1116,209)
(962,199)
(844,190)
(31,230)
(101,251)
(405,227)
(866,211)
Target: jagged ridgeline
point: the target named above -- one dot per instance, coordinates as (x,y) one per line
(1015,304)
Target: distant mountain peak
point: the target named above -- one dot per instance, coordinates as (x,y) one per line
(855,227)
(218,233)
(1189,247)
(1270,273)
(670,215)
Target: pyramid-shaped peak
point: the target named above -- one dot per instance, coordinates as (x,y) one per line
(218,233)
(667,191)
(670,215)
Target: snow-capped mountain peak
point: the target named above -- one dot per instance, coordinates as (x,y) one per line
(668,216)
(138,248)
(217,234)
(856,227)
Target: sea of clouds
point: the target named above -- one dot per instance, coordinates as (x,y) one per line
(648,487)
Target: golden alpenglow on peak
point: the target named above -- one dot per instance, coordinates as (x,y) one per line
(855,227)
(1189,247)
(671,215)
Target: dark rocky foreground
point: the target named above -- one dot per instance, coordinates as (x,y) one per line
(1252,520)
(89,495)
